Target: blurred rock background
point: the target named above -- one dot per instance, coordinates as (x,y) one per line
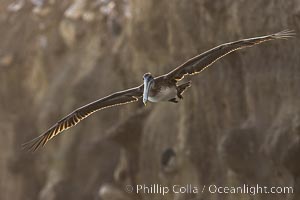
(238,124)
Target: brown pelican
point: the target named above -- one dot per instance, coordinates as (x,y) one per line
(161,88)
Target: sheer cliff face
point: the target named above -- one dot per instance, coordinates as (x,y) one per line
(239,123)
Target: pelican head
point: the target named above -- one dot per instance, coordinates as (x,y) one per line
(148,81)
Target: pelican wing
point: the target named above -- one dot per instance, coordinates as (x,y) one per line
(119,98)
(200,62)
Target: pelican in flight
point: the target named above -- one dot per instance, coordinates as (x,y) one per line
(154,89)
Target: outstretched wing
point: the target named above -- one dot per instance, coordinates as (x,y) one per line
(119,98)
(200,62)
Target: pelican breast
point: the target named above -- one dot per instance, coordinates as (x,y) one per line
(164,93)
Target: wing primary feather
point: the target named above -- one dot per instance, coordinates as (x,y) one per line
(61,127)
(200,62)
(79,114)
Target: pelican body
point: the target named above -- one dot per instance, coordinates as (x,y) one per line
(162,88)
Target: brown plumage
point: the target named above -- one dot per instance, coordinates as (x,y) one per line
(200,62)
(81,113)
(163,88)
